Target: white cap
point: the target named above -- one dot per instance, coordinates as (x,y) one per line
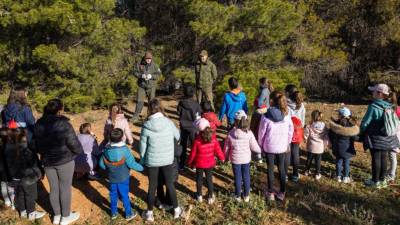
(382,88)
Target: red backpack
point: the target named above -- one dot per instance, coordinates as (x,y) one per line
(298,134)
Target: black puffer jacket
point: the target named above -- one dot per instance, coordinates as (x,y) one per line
(342,139)
(188,109)
(55,140)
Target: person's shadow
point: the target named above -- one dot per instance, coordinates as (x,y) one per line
(44,198)
(91,193)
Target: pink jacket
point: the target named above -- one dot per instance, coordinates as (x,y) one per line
(122,123)
(275,137)
(316,136)
(238,146)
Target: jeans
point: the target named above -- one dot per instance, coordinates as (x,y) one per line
(280,160)
(379,164)
(169,176)
(317,158)
(60,181)
(393,164)
(120,191)
(241,172)
(293,158)
(199,181)
(26,197)
(342,163)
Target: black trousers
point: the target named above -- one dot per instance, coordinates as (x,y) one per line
(199,181)
(280,160)
(317,158)
(26,197)
(293,158)
(187,138)
(169,178)
(379,164)
(162,196)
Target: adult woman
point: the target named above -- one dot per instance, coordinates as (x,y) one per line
(375,139)
(157,154)
(56,142)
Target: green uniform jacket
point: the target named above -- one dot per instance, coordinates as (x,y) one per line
(144,68)
(206,74)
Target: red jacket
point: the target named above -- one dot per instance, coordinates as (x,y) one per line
(213,119)
(203,154)
(298,134)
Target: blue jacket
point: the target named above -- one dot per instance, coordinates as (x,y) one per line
(114,153)
(231,104)
(21,114)
(157,141)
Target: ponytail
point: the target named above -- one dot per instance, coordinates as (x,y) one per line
(242,124)
(206,135)
(316,116)
(298,98)
(265,83)
(392,98)
(115,109)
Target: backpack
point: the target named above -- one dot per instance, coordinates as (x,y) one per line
(390,122)
(298,133)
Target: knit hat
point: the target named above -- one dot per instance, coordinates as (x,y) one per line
(239,114)
(148,55)
(203,53)
(382,88)
(345,112)
(201,124)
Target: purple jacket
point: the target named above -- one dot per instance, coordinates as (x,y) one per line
(275,131)
(238,146)
(87,160)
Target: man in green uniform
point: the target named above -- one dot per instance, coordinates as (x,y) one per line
(206,74)
(147,73)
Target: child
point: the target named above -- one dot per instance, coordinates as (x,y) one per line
(24,169)
(117,159)
(261,104)
(234,100)
(238,146)
(343,132)
(316,136)
(274,136)
(86,162)
(7,190)
(205,148)
(209,115)
(188,111)
(117,119)
(393,153)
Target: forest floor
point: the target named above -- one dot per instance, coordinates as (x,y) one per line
(308,201)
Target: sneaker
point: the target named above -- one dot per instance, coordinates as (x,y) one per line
(281,196)
(73,216)
(148,216)
(178,212)
(270,196)
(307,173)
(339,179)
(200,199)
(131,217)
(93,177)
(36,215)
(372,184)
(238,199)
(7,203)
(167,207)
(57,219)
(382,184)
(23,214)
(211,200)
(318,176)
(114,217)
(12,206)
(346,180)
(247,199)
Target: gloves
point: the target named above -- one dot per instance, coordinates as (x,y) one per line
(144,76)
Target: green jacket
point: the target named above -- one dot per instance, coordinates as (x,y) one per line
(374,113)
(144,68)
(206,74)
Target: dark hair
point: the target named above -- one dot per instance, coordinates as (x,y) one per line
(155,107)
(316,116)
(346,121)
(266,83)
(53,107)
(16,136)
(116,135)
(85,128)
(206,135)
(242,124)
(290,88)
(392,98)
(278,99)
(115,109)
(206,106)
(233,83)
(298,98)
(188,91)
(18,95)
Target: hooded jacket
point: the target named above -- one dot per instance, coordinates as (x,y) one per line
(21,114)
(122,123)
(299,113)
(117,159)
(371,128)
(87,160)
(188,111)
(233,101)
(144,68)
(156,144)
(275,131)
(342,139)
(203,154)
(213,119)
(55,140)
(316,136)
(239,145)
